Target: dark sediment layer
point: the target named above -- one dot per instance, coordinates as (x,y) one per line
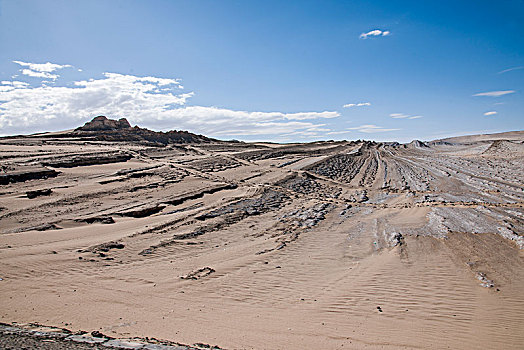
(27,174)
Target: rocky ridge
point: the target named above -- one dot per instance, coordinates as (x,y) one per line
(103,129)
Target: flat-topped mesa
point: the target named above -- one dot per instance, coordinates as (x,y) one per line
(101,123)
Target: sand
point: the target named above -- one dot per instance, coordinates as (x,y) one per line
(327,245)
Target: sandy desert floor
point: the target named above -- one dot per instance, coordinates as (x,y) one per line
(263,246)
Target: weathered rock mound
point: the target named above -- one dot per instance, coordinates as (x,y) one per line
(416,144)
(505,148)
(104,129)
(101,123)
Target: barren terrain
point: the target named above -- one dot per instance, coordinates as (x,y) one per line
(266,246)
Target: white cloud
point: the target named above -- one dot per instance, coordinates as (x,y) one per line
(264,128)
(360,104)
(370,128)
(376,32)
(215,121)
(16,84)
(490,113)
(151,102)
(339,132)
(404,116)
(510,69)
(308,115)
(309,132)
(495,93)
(43,67)
(41,70)
(398,115)
(31,73)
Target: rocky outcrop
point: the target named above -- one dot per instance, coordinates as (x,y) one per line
(36,336)
(104,129)
(87,160)
(38,193)
(416,144)
(101,123)
(20,174)
(505,148)
(143,212)
(198,274)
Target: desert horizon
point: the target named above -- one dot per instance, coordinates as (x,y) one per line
(502,135)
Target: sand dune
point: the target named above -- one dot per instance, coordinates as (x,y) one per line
(261,246)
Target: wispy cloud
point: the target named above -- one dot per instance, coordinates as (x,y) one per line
(495,93)
(338,132)
(370,128)
(309,132)
(510,69)
(32,73)
(307,115)
(43,67)
(404,116)
(41,70)
(157,103)
(490,113)
(17,84)
(360,104)
(375,32)
(398,115)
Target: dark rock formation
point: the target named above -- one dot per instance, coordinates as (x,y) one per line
(195,275)
(143,212)
(87,160)
(25,173)
(98,219)
(37,193)
(106,247)
(416,144)
(101,123)
(104,129)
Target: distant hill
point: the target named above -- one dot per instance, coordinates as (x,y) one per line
(510,136)
(505,148)
(104,129)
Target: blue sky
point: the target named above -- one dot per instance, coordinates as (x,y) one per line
(265,70)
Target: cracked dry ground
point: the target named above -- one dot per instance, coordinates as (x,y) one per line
(265,246)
